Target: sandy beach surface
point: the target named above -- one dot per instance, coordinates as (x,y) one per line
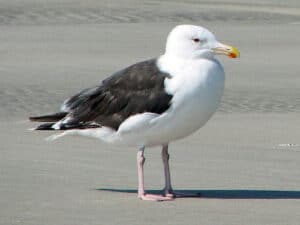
(245,162)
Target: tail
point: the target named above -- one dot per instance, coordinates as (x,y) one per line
(49,118)
(45,126)
(53,122)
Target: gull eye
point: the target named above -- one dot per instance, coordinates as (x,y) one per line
(197,40)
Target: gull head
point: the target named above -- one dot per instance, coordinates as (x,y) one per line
(192,42)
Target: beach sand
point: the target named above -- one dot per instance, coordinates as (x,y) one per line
(245,162)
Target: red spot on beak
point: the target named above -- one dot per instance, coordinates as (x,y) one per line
(232,55)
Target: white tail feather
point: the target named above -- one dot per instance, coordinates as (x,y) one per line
(104,134)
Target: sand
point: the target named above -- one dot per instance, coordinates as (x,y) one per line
(245,162)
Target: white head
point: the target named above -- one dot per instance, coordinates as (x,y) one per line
(190,41)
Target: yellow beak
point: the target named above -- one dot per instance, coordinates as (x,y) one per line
(228,50)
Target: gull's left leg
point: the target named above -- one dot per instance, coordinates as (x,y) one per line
(165,157)
(168,191)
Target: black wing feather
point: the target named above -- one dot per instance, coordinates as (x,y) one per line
(136,89)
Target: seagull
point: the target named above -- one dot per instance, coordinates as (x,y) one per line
(150,103)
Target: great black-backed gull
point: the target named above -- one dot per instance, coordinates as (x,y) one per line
(153,102)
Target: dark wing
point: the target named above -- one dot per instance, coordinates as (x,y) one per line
(136,89)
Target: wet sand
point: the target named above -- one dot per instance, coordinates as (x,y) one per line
(241,161)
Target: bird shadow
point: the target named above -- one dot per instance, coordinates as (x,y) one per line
(221,194)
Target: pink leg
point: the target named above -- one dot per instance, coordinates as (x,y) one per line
(141,188)
(165,157)
(168,191)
